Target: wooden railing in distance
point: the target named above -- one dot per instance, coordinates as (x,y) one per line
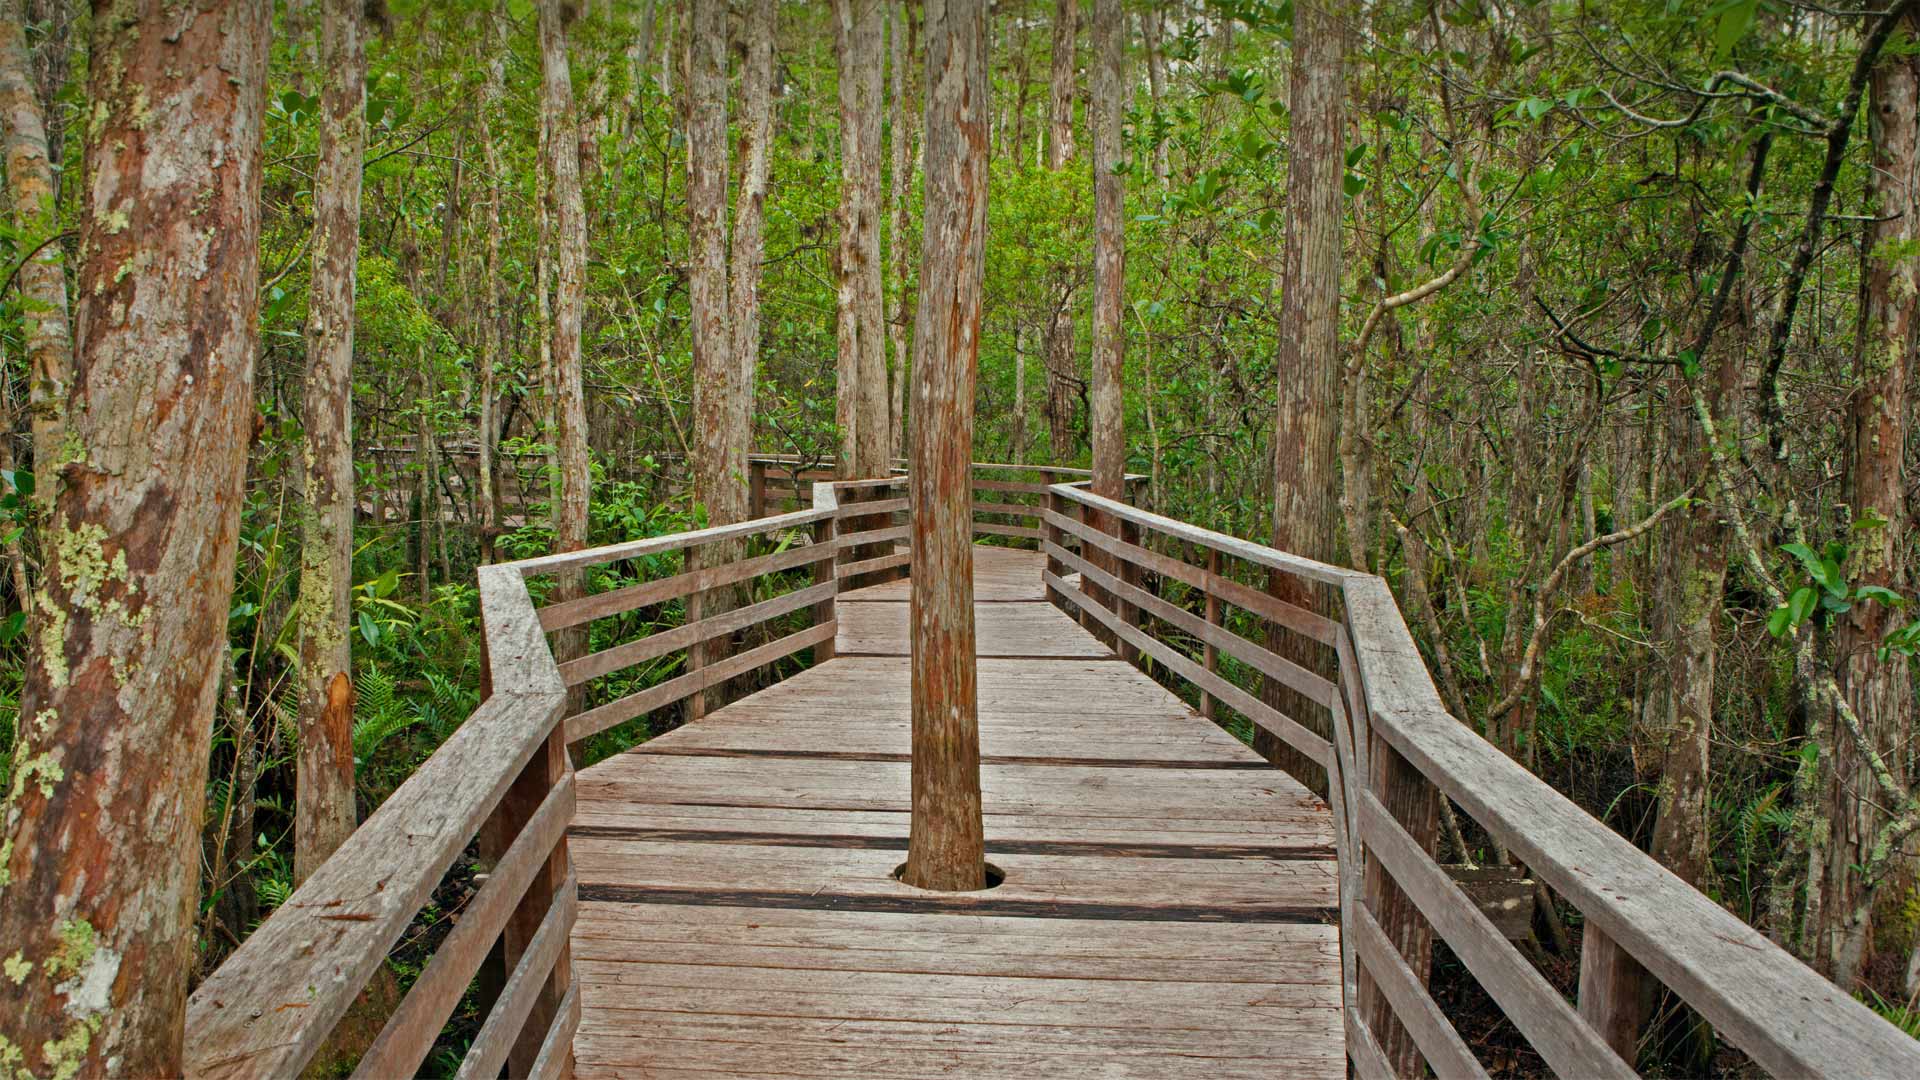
(725,580)
(503,777)
(1393,751)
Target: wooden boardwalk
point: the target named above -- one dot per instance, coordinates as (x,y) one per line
(1169,906)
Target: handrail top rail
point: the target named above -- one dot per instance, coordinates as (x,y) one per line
(1258,554)
(654,545)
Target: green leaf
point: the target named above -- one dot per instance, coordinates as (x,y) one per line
(369,629)
(1801,605)
(1780,621)
(1736,20)
(1881,593)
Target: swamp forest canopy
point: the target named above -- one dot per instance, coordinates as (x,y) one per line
(1589,326)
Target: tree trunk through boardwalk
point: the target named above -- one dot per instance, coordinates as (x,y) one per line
(946,849)
(324,797)
(101,855)
(43,280)
(569,307)
(1306,472)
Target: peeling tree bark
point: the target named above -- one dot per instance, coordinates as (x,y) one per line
(324,800)
(44,323)
(862,367)
(720,466)
(493,337)
(100,864)
(946,847)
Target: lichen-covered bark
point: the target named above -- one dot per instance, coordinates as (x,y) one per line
(862,367)
(1880,690)
(946,848)
(43,283)
(324,802)
(100,861)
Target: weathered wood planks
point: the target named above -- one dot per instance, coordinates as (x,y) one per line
(1169,908)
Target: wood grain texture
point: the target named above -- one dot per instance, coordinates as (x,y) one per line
(1169,908)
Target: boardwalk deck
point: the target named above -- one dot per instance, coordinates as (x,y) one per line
(1168,910)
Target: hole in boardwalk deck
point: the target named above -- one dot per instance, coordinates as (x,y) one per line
(995,876)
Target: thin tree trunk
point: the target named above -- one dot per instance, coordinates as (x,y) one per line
(1879,690)
(569,305)
(493,337)
(44,320)
(901,184)
(1109,256)
(1150,33)
(324,801)
(101,855)
(1306,469)
(1060,328)
(946,846)
(720,466)
(749,242)
(862,368)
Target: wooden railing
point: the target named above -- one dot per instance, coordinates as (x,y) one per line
(503,785)
(1179,597)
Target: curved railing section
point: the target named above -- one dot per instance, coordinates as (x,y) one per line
(1392,751)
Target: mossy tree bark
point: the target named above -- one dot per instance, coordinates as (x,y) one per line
(100,862)
(861,407)
(324,812)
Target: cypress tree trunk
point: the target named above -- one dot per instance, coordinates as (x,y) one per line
(946,848)
(101,855)
(902,183)
(324,801)
(1109,255)
(749,241)
(1059,344)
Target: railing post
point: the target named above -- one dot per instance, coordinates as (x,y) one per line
(524,796)
(1211,655)
(1129,573)
(756,489)
(1056,504)
(696,652)
(823,572)
(1613,992)
(1411,799)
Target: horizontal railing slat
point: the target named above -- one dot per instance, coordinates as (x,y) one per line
(1523,994)
(1298,619)
(872,507)
(608,661)
(596,720)
(510,1010)
(1281,726)
(868,566)
(556,1050)
(410,1032)
(648,593)
(655,545)
(1006,509)
(1446,1052)
(1309,685)
(988,528)
(268,1008)
(1245,550)
(889,535)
